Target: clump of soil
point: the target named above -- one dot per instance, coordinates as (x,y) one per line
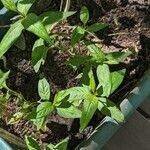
(124,16)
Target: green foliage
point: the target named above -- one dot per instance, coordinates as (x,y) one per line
(33,24)
(20,42)
(60,146)
(82,101)
(44,89)
(10,37)
(51,17)
(77,34)
(84,15)
(39,53)
(23,6)
(9,4)
(31,143)
(104,78)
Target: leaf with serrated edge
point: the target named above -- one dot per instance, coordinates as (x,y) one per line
(10,37)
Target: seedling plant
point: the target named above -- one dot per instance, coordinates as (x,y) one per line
(97,81)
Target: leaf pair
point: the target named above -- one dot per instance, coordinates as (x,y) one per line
(80,31)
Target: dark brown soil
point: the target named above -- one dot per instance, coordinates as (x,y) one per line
(124,16)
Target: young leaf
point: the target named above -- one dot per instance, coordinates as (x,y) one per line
(69,112)
(10,37)
(32,143)
(16,118)
(23,6)
(51,17)
(89,107)
(116,79)
(84,15)
(39,53)
(96,53)
(42,111)
(117,57)
(3,78)
(9,4)
(92,84)
(63,144)
(77,60)
(108,108)
(33,24)
(104,78)
(71,95)
(44,89)
(20,42)
(60,146)
(77,34)
(96,27)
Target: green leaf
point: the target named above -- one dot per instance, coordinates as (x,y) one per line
(84,15)
(69,112)
(96,27)
(51,17)
(92,84)
(117,57)
(77,34)
(44,89)
(20,42)
(42,111)
(104,78)
(117,78)
(9,4)
(39,53)
(3,78)
(71,95)
(96,52)
(16,118)
(108,108)
(89,107)
(60,146)
(33,24)
(10,37)
(23,6)
(77,60)
(31,143)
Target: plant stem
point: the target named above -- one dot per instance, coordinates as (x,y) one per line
(67,7)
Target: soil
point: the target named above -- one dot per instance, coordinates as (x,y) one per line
(129,17)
